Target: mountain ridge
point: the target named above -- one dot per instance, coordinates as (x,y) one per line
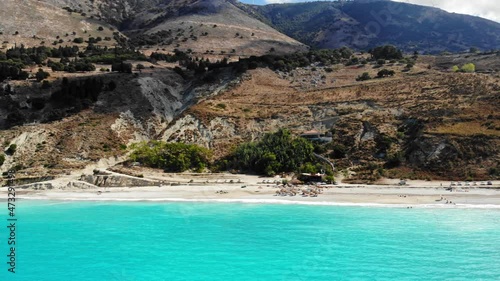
(364,25)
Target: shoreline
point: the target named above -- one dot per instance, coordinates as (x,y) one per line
(363,196)
(275,202)
(250,189)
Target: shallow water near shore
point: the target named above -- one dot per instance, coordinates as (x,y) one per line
(75,240)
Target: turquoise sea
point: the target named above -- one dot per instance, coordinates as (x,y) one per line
(77,240)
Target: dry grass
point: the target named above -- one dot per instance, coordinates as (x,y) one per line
(465,129)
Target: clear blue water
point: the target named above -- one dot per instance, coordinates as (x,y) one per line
(208,241)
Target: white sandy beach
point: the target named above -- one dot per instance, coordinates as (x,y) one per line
(251,189)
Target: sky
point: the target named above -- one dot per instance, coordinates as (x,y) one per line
(489,9)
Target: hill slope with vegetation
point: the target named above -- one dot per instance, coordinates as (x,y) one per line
(364,25)
(204,27)
(407,119)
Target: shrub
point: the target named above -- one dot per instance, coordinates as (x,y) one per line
(339,151)
(385,73)
(394,160)
(455,68)
(11,150)
(2,159)
(363,77)
(330,179)
(78,40)
(469,68)
(40,75)
(46,84)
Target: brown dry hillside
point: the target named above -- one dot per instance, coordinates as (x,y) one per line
(207,27)
(212,28)
(36,23)
(440,124)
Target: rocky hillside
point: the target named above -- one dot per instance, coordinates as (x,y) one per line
(59,137)
(422,123)
(366,24)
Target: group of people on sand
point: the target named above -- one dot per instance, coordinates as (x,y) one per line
(446,201)
(221,192)
(289,190)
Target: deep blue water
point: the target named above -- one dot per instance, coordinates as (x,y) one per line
(212,241)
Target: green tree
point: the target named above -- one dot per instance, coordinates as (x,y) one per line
(172,157)
(455,68)
(276,153)
(2,159)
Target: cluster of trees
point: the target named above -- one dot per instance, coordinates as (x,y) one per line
(12,70)
(177,56)
(26,56)
(97,54)
(78,93)
(152,39)
(171,157)
(275,62)
(64,52)
(276,153)
(16,58)
(122,67)
(387,52)
(292,61)
(71,65)
(202,65)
